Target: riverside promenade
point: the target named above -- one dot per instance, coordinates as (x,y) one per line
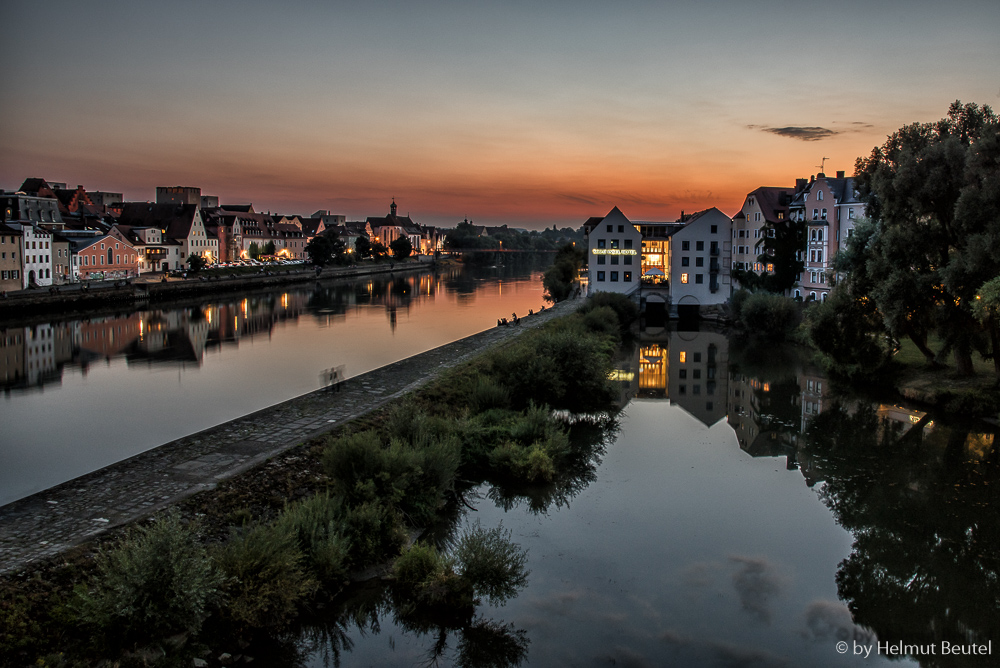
(54,520)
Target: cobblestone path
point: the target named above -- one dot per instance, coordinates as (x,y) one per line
(56,519)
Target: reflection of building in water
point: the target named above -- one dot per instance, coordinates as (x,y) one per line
(698,369)
(12,356)
(765,416)
(814,398)
(653,369)
(104,338)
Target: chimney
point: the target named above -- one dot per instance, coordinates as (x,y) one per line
(812,178)
(799,184)
(840,174)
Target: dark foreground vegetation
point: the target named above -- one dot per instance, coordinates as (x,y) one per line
(246,569)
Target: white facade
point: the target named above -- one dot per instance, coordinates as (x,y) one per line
(700,260)
(613,247)
(36,250)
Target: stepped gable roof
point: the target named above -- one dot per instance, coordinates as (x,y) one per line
(174,220)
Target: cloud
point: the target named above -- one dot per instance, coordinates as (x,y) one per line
(832,620)
(801,132)
(756,583)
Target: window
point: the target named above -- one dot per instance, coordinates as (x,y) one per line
(621,228)
(614,243)
(696,374)
(628,243)
(600,276)
(699,262)
(819,195)
(601,243)
(614,276)
(697,357)
(715,229)
(610,228)
(824,214)
(819,233)
(742,233)
(685,261)
(699,245)
(683,357)
(627,259)
(815,214)
(699,278)
(685,245)
(602,259)
(850,213)
(684,278)
(628,277)
(614,259)
(682,374)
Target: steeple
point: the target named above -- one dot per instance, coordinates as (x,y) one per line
(392,207)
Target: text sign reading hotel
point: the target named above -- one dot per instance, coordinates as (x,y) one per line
(614,251)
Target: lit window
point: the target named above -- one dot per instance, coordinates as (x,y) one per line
(683,357)
(684,278)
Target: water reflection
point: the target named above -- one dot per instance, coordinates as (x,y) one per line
(682,543)
(167,372)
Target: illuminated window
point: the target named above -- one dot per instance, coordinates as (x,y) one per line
(683,357)
(628,277)
(684,278)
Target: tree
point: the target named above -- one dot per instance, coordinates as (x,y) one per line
(561,276)
(401,247)
(379,251)
(778,249)
(325,248)
(254,250)
(269,248)
(196,263)
(932,196)
(363,246)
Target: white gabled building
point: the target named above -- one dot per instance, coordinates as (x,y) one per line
(613,254)
(700,259)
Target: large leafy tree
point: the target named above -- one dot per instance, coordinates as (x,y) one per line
(933,195)
(778,251)
(325,248)
(401,248)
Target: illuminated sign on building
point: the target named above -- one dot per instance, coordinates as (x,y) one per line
(614,251)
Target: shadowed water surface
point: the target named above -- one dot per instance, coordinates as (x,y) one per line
(740,513)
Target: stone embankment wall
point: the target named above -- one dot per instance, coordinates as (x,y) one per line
(83,298)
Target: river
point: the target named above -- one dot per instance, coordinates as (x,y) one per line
(740,512)
(82,394)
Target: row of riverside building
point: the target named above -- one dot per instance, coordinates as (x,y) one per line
(53,235)
(690,262)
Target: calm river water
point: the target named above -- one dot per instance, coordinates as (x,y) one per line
(82,394)
(737,515)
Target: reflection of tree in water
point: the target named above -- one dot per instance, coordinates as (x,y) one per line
(924,509)
(589,439)
(452,636)
(459,638)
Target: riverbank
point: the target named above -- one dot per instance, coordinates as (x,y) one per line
(48,523)
(84,298)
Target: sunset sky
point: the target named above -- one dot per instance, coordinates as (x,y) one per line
(527,113)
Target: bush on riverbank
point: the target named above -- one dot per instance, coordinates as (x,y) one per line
(265,576)
(158,580)
(763,314)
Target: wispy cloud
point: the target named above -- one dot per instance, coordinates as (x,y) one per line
(756,583)
(800,132)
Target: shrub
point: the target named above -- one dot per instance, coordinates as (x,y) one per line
(487,393)
(316,525)
(626,311)
(736,303)
(563,369)
(491,562)
(410,476)
(768,315)
(419,564)
(157,580)
(266,576)
(601,320)
(375,532)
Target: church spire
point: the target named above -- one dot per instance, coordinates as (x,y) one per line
(392,207)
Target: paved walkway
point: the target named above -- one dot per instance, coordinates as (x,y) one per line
(59,518)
